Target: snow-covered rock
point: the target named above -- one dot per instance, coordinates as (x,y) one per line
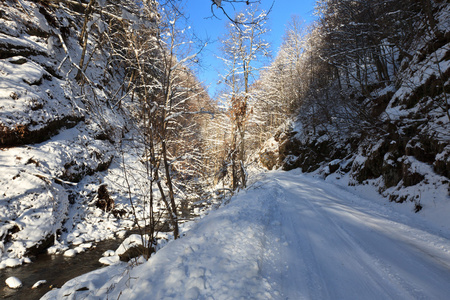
(12,262)
(39,284)
(130,242)
(110,260)
(70,253)
(108,253)
(13,282)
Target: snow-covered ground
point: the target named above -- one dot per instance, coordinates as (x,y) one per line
(289,236)
(55,147)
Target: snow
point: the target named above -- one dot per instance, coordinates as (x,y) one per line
(13,282)
(22,42)
(108,253)
(70,253)
(289,236)
(73,252)
(12,262)
(110,260)
(39,283)
(278,230)
(34,205)
(130,242)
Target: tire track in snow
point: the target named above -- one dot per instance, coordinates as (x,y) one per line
(288,237)
(361,261)
(299,242)
(370,270)
(327,253)
(389,256)
(289,265)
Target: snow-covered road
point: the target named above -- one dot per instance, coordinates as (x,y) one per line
(289,236)
(335,245)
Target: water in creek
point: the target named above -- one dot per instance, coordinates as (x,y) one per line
(55,269)
(58,269)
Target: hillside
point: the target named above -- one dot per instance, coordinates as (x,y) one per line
(100,118)
(61,128)
(376,113)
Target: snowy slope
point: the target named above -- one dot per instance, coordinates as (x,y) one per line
(402,145)
(54,142)
(289,236)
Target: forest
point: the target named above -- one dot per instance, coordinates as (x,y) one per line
(105,126)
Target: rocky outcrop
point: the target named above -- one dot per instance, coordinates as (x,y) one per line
(405,150)
(55,132)
(104,200)
(21,134)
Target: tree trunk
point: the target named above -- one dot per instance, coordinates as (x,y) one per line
(84,38)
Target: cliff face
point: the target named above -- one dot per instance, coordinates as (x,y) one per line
(406,150)
(57,133)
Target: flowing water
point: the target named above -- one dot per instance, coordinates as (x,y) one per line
(58,269)
(55,269)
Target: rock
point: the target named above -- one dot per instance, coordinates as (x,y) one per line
(442,163)
(373,165)
(410,177)
(21,134)
(13,282)
(79,249)
(334,165)
(104,201)
(132,247)
(77,241)
(42,246)
(108,253)
(70,253)
(110,260)
(268,159)
(18,60)
(10,230)
(134,252)
(39,284)
(86,245)
(391,170)
(119,213)
(12,262)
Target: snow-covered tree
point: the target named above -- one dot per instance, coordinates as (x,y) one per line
(243,49)
(167,103)
(279,86)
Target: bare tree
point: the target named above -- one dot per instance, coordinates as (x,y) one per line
(167,105)
(225,5)
(280,85)
(243,47)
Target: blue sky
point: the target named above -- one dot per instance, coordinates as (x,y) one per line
(208,27)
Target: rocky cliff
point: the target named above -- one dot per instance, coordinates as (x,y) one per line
(402,145)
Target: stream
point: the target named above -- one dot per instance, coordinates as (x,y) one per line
(56,269)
